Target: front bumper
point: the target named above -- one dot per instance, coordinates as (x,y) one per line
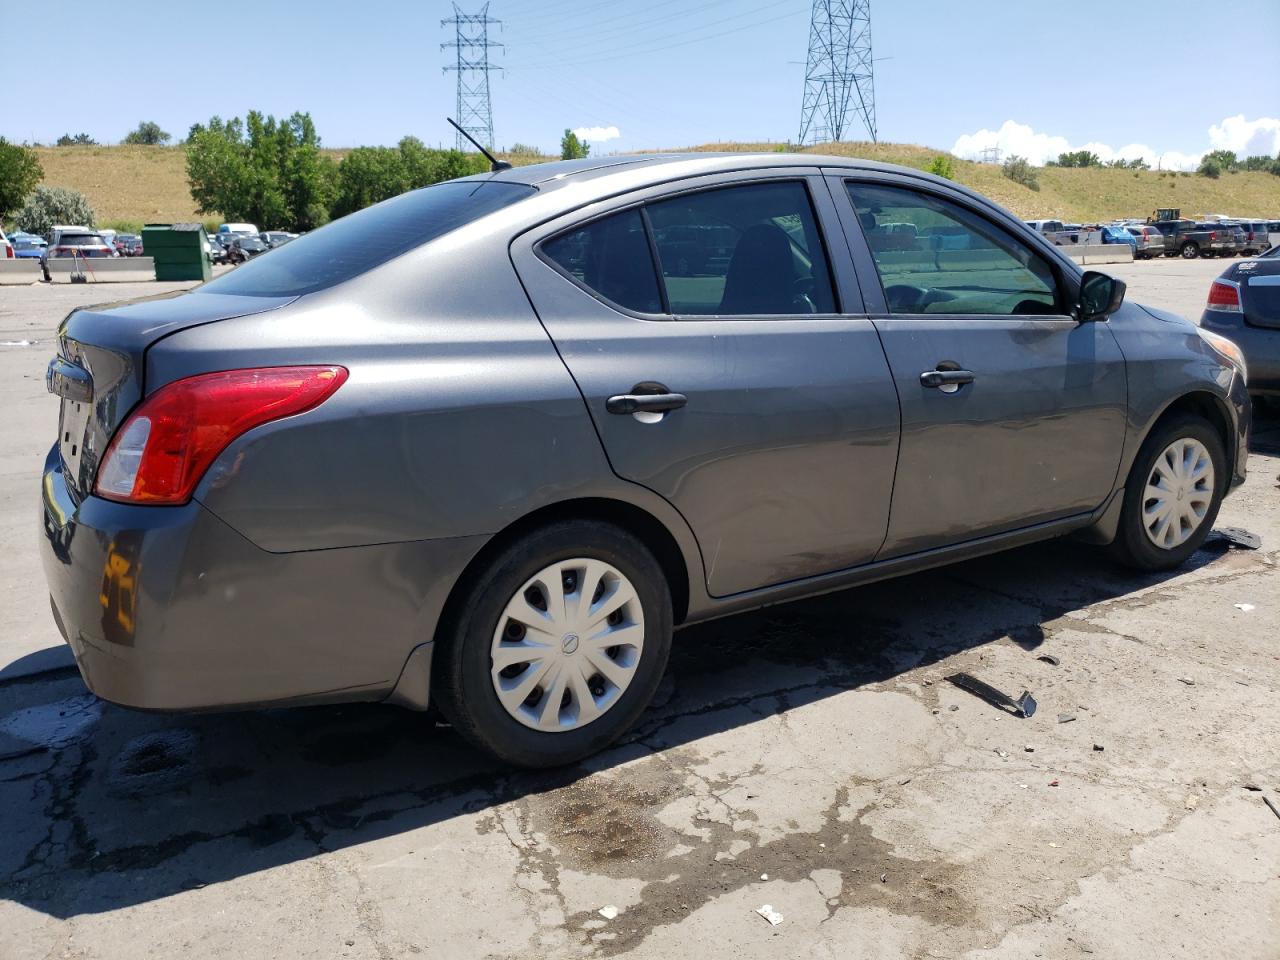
(169,608)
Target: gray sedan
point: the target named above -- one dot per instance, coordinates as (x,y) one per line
(486,444)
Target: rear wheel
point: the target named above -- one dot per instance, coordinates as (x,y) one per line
(559,646)
(1173,494)
(1189,250)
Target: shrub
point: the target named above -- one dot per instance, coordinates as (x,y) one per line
(1224,159)
(1019,170)
(148,134)
(121,226)
(1079,158)
(79,140)
(1209,168)
(522,151)
(942,166)
(49,205)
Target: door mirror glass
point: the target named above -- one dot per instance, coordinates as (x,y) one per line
(1100,296)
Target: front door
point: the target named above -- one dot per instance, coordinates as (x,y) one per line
(705,331)
(1012,412)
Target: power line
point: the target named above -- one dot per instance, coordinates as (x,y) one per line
(838,71)
(471,45)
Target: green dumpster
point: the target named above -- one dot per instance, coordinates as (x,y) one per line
(179,250)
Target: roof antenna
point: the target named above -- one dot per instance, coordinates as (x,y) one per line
(494,163)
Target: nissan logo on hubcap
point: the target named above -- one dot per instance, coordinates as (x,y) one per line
(570,643)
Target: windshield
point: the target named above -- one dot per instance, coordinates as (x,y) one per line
(368,238)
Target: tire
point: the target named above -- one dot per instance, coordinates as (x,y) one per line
(466,685)
(1134,545)
(1189,250)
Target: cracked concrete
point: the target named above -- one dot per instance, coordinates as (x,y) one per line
(810,756)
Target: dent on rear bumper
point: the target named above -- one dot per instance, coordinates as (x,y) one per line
(169,608)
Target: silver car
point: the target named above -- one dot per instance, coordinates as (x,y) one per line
(486,444)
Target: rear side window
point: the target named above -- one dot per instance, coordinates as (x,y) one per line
(936,257)
(742,251)
(611,256)
(368,238)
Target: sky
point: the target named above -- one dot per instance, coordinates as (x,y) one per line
(1034,77)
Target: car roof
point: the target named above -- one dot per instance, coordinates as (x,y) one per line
(640,170)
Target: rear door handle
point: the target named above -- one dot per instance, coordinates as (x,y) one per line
(945,378)
(645,402)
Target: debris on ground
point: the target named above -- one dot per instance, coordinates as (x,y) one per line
(1268,801)
(1002,754)
(1191,802)
(884,878)
(770,914)
(1187,680)
(1053,783)
(1233,538)
(1252,786)
(608,911)
(1246,607)
(1024,706)
(764,876)
(1099,747)
(1066,717)
(1029,748)
(1050,659)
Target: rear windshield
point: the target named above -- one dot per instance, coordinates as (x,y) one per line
(366,239)
(80,240)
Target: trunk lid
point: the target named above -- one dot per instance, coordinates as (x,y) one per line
(1260,292)
(98,372)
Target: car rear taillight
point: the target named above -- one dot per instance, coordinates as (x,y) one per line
(8,251)
(165,446)
(1224,296)
(1213,235)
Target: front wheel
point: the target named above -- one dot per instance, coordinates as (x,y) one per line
(559,646)
(1189,251)
(1173,494)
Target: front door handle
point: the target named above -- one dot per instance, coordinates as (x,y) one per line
(946,378)
(645,402)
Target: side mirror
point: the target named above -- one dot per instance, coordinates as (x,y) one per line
(1100,296)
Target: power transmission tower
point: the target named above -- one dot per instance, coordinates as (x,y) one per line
(989,155)
(471,44)
(838,74)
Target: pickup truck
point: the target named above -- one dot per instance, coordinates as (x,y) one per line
(1055,231)
(1190,240)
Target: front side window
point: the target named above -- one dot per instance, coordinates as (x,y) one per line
(610,257)
(742,251)
(937,257)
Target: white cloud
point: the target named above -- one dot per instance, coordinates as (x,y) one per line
(597,134)
(1246,137)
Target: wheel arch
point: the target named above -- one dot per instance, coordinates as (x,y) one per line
(1209,406)
(637,521)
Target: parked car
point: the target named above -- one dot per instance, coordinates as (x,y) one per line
(242,248)
(1119,235)
(28,247)
(1149,242)
(240,229)
(1190,240)
(1244,305)
(75,243)
(1255,236)
(475,446)
(276,238)
(1055,231)
(6,248)
(129,245)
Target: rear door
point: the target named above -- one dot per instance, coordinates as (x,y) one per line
(713,327)
(1013,414)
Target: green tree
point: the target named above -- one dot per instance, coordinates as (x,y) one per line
(1079,158)
(571,148)
(20,171)
(1261,163)
(1225,159)
(942,166)
(79,140)
(368,175)
(1019,170)
(261,170)
(148,134)
(49,205)
(1210,168)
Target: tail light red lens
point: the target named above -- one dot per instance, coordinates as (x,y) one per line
(1223,296)
(8,251)
(1213,235)
(165,446)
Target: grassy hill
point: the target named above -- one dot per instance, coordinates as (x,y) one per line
(148,184)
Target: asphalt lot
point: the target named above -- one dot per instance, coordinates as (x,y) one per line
(809,757)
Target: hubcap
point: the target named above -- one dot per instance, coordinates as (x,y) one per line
(567,645)
(1178,494)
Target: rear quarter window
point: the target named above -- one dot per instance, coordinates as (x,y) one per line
(366,239)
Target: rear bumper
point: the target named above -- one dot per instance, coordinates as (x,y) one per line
(168,608)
